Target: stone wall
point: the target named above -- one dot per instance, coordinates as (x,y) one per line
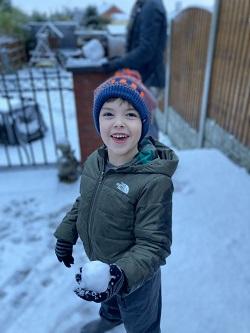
(217,137)
(185,137)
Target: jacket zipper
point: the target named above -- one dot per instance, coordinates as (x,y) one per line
(92,210)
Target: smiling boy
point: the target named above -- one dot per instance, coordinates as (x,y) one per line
(120,129)
(124,212)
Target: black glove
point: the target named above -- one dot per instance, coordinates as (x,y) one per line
(116,284)
(64,251)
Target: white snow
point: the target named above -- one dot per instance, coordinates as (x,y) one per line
(6,104)
(206,281)
(93,50)
(95,276)
(84,62)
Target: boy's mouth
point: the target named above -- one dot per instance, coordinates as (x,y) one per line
(119,137)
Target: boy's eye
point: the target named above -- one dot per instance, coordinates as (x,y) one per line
(107,114)
(132,114)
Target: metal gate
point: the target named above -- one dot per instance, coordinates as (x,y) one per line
(37,111)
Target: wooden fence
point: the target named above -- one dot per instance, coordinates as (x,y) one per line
(229,101)
(190,33)
(12,54)
(229,95)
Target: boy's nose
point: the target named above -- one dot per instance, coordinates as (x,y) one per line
(119,123)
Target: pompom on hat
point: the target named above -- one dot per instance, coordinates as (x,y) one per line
(125,84)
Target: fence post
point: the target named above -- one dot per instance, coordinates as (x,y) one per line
(168,77)
(5,60)
(208,72)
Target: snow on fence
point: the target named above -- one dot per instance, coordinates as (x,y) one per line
(36,112)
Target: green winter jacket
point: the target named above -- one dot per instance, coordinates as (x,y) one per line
(124,215)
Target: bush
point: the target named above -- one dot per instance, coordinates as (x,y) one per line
(12,20)
(92,19)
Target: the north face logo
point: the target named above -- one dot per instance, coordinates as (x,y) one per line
(122,187)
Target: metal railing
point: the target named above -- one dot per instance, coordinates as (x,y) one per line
(37,111)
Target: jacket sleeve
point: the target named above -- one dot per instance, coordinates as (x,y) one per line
(151,25)
(152,231)
(67,228)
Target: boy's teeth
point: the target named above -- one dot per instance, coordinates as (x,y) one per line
(118,136)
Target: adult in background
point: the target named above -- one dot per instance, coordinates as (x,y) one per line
(145,48)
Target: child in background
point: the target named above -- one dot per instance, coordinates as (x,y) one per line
(124,212)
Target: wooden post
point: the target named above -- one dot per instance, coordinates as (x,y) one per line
(168,78)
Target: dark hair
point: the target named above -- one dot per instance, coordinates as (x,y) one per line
(112,99)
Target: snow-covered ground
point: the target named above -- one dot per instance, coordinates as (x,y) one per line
(206,281)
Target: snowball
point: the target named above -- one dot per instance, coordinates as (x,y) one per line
(95,276)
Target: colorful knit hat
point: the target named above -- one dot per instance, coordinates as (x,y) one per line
(125,84)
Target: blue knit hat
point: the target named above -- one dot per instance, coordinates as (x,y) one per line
(125,84)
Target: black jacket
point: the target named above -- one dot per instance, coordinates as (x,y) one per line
(146,42)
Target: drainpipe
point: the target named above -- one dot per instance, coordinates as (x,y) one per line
(168,73)
(208,72)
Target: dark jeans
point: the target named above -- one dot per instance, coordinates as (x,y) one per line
(140,311)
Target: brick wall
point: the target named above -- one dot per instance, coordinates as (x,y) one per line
(84,85)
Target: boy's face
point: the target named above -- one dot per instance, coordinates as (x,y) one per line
(120,129)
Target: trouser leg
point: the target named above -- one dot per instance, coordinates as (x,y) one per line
(110,310)
(109,318)
(141,310)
